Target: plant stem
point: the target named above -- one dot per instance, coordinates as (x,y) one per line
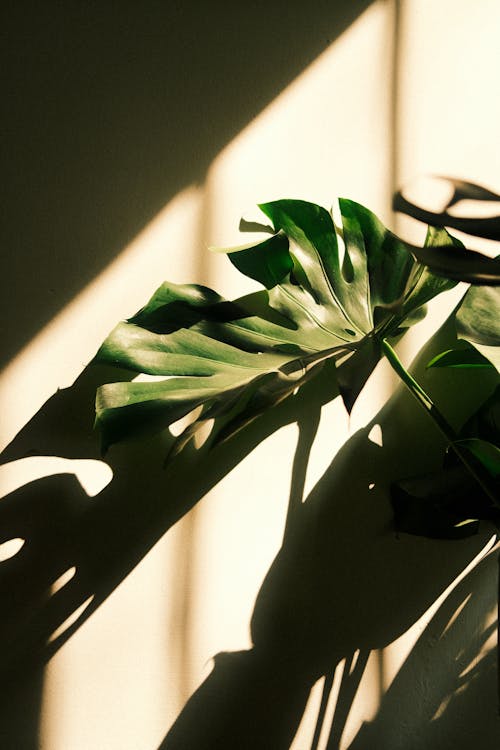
(439,420)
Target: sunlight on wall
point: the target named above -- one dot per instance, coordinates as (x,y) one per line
(80,680)
(322,136)
(123,678)
(92,475)
(57,355)
(398,651)
(448,117)
(449,90)
(115,682)
(326,134)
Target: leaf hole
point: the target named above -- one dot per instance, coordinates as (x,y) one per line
(93,475)
(339,230)
(371,485)
(203,433)
(354,661)
(350,332)
(442,707)
(11,548)
(69,621)
(474,209)
(63,579)
(178,427)
(456,614)
(375,435)
(430,193)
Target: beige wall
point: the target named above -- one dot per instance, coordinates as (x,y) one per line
(346,123)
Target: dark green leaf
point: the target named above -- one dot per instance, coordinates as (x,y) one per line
(486,453)
(462,358)
(234,360)
(446,504)
(485,422)
(478,321)
(449,503)
(255,226)
(268,262)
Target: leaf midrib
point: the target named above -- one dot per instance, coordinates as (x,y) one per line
(312,317)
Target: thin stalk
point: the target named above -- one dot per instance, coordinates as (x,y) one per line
(441,423)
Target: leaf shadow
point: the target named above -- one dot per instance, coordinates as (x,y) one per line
(454,674)
(338,584)
(343,582)
(105,537)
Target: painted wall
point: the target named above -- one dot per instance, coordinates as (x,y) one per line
(173,609)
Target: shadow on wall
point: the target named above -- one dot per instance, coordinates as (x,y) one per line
(341,583)
(112,109)
(452,675)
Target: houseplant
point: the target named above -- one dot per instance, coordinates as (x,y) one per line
(319,308)
(338,294)
(337,346)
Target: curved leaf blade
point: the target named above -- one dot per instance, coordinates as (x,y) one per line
(236,359)
(478,321)
(462,358)
(268,262)
(486,453)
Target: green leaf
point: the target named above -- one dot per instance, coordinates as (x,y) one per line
(481,476)
(478,321)
(462,358)
(446,504)
(236,359)
(269,262)
(485,422)
(449,503)
(485,452)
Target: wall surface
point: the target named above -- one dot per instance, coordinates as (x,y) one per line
(148,609)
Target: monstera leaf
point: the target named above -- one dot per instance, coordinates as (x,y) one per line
(449,503)
(477,322)
(329,294)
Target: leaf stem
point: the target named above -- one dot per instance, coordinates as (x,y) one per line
(439,420)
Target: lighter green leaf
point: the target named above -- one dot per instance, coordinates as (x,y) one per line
(487,453)
(268,262)
(478,321)
(237,359)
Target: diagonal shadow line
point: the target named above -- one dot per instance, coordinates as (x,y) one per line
(112,115)
(341,583)
(325,696)
(308,427)
(338,21)
(350,682)
(47,624)
(105,538)
(441,648)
